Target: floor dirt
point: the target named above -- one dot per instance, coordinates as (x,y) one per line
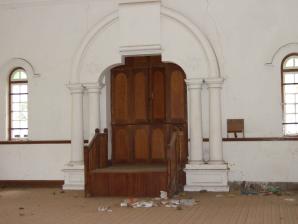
(53,206)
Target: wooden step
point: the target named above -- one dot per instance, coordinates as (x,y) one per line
(129,180)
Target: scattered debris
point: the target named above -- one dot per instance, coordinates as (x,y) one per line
(54,193)
(188,202)
(163,195)
(134,203)
(203,191)
(290,199)
(62,192)
(247,188)
(273,190)
(176,202)
(219,195)
(104,209)
(21,211)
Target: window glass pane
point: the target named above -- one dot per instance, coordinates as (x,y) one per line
(16,116)
(24,133)
(291,129)
(296,77)
(24,124)
(289,78)
(15,88)
(290,108)
(290,63)
(24,106)
(16,133)
(290,118)
(23,98)
(23,88)
(15,98)
(23,75)
(24,116)
(18,74)
(291,88)
(290,98)
(16,107)
(15,75)
(296,108)
(296,62)
(16,124)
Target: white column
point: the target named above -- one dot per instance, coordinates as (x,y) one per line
(77,134)
(93,90)
(194,87)
(215,121)
(74,170)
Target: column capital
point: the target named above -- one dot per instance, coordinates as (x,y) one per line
(215,82)
(194,83)
(75,88)
(93,87)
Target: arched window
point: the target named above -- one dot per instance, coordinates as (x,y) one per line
(18,105)
(290,94)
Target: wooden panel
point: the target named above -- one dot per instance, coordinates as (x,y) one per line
(121,144)
(120,97)
(158,94)
(158,144)
(141,143)
(118,184)
(136,184)
(140,95)
(177,96)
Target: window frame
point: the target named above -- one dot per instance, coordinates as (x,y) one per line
(283,71)
(10,83)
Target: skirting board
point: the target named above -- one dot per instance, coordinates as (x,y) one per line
(32,183)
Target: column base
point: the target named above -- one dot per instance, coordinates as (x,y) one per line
(209,177)
(74,177)
(216,162)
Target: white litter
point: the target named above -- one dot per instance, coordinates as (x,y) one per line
(104,209)
(290,199)
(163,195)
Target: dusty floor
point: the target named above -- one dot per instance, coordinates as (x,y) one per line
(53,207)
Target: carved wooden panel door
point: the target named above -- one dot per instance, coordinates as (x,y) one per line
(148,99)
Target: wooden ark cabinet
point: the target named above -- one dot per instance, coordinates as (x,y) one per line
(148,100)
(149,132)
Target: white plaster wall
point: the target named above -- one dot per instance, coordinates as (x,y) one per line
(33,162)
(262,161)
(47,35)
(244,35)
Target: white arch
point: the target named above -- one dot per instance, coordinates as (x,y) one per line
(281,52)
(109,19)
(13,63)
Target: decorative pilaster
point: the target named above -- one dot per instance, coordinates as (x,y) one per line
(194,87)
(74,170)
(214,175)
(215,121)
(93,90)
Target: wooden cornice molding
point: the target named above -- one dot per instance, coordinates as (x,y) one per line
(32,183)
(36,142)
(257,139)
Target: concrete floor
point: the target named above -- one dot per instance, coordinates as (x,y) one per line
(50,206)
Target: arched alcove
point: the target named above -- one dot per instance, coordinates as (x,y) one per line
(181,42)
